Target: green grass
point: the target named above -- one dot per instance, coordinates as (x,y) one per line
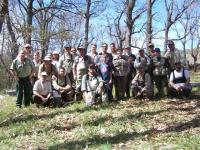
(131,124)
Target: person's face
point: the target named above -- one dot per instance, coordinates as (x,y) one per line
(82,52)
(105,48)
(73,51)
(44,78)
(157,53)
(67,50)
(119,54)
(92,71)
(62,72)
(130,59)
(141,70)
(141,53)
(178,67)
(112,47)
(94,48)
(22,55)
(55,56)
(36,56)
(171,46)
(151,48)
(47,62)
(27,50)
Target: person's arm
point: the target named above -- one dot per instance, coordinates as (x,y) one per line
(37,94)
(84,83)
(13,71)
(40,70)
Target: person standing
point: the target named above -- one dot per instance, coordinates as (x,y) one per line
(160,70)
(120,72)
(37,62)
(22,69)
(94,55)
(173,55)
(80,67)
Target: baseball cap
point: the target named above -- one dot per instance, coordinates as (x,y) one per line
(47,57)
(150,44)
(27,45)
(56,52)
(157,50)
(81,48)
(43,73)
(170,42)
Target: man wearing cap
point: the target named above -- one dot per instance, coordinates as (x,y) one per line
(48,67)
(160,67)
(27,50)
(172,54)
(142,86)
(42,91)
(179,81)
(66,61)
(80,66)
(142,60)
(93,87)
(22,69)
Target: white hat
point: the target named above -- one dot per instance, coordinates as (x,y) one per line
(47,58)
(27,45)
(56,52)
(43,73)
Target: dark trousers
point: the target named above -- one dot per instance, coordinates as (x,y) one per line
(24,91)
(119,82)
(174,93)
(39,102)
(127,85)
(161,83)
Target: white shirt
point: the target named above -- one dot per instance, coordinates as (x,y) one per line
(179,74)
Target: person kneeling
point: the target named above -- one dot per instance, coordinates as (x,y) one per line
(93,87)
(62,85)
(179,82)
(141,84)
(42,91)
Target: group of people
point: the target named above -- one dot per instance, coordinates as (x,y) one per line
(75,75)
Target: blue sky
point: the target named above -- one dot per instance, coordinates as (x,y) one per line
(158,23)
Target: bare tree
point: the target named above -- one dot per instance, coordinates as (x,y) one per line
(175,10)
(149,29)
(3,12)
(131,17)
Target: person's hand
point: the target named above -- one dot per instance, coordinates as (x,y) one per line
(110,82)
(75,77)
(139,93)
(16,78)
(158,64)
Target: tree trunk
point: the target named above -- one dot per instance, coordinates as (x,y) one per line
(14,46)
(149,24)
(87,21)
(3,12)
(29,21)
